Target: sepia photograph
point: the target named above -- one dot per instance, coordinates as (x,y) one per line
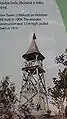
(33,59)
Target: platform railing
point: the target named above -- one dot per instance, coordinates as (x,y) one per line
(33,63)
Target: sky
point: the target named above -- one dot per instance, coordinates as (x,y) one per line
(51,41)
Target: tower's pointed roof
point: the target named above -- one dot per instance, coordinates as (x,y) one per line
(33,47)
(33,50)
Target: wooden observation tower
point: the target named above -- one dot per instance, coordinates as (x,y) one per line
(33,90)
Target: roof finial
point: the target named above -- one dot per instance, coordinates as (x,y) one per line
(34,36)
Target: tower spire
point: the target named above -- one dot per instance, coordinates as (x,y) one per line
(34,36)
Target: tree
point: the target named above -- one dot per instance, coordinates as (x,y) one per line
(10,108)
(8,98)
(62,58)
(63,75)
(58,91)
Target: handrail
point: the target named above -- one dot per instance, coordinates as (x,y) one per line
(33,63)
